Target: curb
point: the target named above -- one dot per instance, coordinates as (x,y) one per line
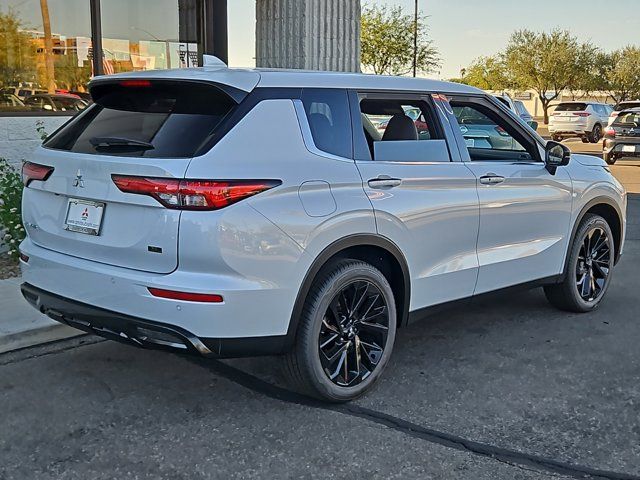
(37,336)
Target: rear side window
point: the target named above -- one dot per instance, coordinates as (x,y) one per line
(571,107)
(628,119)
(329,119)
(138,118)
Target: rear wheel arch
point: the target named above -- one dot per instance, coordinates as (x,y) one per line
(376,250)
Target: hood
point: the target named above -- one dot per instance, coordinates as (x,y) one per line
(588,160)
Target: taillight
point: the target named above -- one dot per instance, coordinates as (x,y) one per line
(614,114)
(193,194)
(186,296)
(610,132)
(35,171)
(581,114)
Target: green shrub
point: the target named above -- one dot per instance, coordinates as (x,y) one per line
(10,208)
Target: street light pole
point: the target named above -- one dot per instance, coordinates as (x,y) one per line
(415,39)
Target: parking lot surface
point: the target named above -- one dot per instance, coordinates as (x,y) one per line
(502,388)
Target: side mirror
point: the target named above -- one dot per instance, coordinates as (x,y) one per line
(556,155)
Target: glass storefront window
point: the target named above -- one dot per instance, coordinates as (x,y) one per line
(149,34)
(44,50)
(46,47)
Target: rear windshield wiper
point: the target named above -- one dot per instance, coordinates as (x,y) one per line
(119,142)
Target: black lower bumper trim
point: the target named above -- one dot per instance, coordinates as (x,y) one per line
(145,333)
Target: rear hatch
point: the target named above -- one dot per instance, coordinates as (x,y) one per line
(570,113)
(138,127)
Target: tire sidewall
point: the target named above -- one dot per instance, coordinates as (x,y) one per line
(329,287)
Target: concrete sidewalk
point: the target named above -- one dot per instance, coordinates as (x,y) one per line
(23,326)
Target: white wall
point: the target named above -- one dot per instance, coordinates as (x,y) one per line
(19,137)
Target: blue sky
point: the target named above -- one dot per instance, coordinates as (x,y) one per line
(466,29)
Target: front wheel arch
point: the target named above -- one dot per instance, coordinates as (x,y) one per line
(607,209)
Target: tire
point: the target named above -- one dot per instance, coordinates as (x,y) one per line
(596,133)
(326,314)
(610,159)
(585,139)
(578,296)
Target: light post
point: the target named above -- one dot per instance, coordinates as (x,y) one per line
(415,39)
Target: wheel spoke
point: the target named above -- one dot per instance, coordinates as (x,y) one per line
(351,343)
(586,285)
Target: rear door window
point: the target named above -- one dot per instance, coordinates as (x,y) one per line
(329,119)
(146,119)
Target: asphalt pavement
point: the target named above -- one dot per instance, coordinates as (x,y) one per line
(507,388)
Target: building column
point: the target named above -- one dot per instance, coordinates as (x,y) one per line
(308,34)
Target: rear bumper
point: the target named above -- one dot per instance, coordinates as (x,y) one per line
(145,333)
(615,147)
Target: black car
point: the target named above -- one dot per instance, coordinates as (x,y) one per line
(55,102)
(622,138)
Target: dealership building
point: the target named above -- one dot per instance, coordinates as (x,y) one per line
(52,48)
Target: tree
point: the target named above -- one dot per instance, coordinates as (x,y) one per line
(547,62)
(387,42)
(69,75)
(620,73)
(488,73)
(17,51)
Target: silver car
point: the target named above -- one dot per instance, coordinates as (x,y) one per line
(224,213)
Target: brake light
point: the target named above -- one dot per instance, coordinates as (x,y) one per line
(193,194)
(582,114)
(35,171)
(610,132)
(135,83)
(186,296)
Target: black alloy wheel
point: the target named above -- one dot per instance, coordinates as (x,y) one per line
(354,333)
(594,264)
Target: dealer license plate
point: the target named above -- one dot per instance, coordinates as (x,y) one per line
(84,216)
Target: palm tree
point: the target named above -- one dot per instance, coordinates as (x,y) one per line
(48,47)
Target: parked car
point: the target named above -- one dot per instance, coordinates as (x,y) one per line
(622,138)
(9,102)
(585,120)
(56,102)
(518,107)
(620,107)
(303,230)
(23,92)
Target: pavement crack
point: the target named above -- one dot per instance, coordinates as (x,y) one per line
(508,456)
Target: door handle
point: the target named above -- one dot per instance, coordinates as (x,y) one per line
(384,181)
(491,179)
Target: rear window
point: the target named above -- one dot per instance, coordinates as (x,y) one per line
(628,118)
(571,107)
(626,106)
(138,118)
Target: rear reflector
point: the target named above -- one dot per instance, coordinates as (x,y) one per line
(35,171)
(186,296)
(193,194)
(24,258)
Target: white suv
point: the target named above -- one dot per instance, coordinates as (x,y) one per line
(579,119)
(230,212)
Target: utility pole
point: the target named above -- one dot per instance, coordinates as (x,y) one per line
(415,39)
